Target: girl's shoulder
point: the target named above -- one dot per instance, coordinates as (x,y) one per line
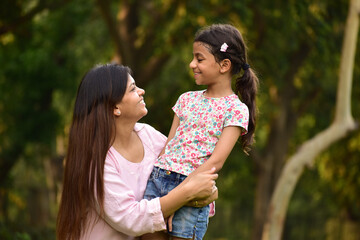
(235,104)
(192,94)
(233,99)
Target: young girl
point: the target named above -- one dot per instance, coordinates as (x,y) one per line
(207,123)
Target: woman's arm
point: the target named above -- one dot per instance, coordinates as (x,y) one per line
(134,218)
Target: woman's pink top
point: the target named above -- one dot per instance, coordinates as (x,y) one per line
(127,214)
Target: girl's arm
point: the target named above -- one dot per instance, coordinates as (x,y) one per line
(223,148)
(174,126)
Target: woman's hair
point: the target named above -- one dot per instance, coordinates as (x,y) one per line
(225,41)
(91,135)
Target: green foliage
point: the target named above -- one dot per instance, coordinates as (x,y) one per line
(234,208)
(306,215)
(42,62)
(340,166)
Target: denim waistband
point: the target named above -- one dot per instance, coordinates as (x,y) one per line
(159,172)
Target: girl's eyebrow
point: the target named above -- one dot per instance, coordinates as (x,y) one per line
(198,55)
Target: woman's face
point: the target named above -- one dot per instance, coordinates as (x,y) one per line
(132,106)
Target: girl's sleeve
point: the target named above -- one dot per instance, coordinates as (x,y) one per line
(123,212)
(179,104)
(237,115)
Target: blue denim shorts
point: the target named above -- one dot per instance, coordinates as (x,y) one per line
(187,221)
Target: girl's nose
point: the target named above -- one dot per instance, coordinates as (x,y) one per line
(192,64)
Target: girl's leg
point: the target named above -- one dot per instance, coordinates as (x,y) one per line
(155,236)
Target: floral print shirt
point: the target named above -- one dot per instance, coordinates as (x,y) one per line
(202,120)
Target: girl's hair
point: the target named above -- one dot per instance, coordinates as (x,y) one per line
(225,41)
(91,135)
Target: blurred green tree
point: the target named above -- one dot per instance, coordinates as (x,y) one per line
(46,46)
(43,53)
(341,126)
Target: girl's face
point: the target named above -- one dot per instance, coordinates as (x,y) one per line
(206,69)
(132,105)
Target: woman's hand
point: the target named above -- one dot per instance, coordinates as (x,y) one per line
(204,202)
(195,186)
(197,203)
(202,185)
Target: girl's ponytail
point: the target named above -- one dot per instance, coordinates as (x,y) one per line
(246,87)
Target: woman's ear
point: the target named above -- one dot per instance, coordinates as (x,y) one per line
(117,111)
(225,65)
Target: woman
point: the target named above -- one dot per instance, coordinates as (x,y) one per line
(109,159)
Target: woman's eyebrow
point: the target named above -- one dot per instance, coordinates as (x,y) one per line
(132,84)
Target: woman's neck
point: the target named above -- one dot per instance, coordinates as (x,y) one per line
(128,143)
(123,133)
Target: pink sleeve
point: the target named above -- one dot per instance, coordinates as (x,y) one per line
(154,139)
(212,209)
(123,212)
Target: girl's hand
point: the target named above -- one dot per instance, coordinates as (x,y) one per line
(202,185)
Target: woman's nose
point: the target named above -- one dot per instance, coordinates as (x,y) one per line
(141,91)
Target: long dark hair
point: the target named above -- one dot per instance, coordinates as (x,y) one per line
(91,135)
(246,83)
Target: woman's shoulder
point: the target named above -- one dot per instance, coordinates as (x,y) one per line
(151,138)
(144,128)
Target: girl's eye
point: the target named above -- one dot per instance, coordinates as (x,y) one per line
(200,60)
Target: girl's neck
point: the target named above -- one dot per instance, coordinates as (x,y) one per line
(218,91)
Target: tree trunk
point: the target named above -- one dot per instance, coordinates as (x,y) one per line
(269,165)
(340,127)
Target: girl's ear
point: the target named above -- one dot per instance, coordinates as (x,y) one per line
(225,65)
(117,111)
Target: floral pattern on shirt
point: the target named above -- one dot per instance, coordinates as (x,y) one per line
(202,120)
